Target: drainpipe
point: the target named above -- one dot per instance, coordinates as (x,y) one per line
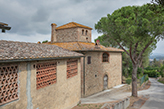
(84,76)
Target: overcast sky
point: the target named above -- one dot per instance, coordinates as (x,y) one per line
(31,19)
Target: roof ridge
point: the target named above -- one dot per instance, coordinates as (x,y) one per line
(72,25)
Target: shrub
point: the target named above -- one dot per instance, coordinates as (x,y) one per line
(146,78)
(152,73)
(45,41)
(128,80)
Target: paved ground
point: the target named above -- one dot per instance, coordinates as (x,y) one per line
(156,93)
(106,96)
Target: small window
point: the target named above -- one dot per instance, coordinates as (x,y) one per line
(105,57)
(89,60)
(72,68)
(82,32)
(87,38)
(86,32)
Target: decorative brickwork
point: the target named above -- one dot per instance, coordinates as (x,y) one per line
(8,84)
(71,68)
(46,74)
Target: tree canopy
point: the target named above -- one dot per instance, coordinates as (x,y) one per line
(134,29)
(160,2)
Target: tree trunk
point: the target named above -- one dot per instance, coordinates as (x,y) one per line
(134,80)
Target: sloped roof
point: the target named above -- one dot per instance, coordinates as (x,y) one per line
(72,25)
(84,46)
(10,50)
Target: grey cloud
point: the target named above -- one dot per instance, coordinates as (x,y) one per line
(41,15)
(30,17)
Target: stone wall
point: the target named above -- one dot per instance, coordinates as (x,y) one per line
(73,34)
(63,94)
(95,72)
(83,37)
(66,35)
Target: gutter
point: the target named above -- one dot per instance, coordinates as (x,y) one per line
(97,51)
(37,59)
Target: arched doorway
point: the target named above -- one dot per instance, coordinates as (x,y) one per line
(105,82)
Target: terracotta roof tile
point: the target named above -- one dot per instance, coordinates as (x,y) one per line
(84,46)
(10,50)
(72,25)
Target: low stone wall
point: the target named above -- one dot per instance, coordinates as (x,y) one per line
(143,84)
(138,85)
(123,104)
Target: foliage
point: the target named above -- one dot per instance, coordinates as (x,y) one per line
(162,71)
(152,73)
(156,63)
(45,41)
(107,43)
(152,68)
(161,2)
(139,73)
(134,29)
(128,80)
(143,79)
(146,78)
(126,65)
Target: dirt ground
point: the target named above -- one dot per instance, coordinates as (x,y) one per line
(132,101)
(135,99)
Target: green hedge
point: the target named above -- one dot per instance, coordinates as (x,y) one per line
(152,73)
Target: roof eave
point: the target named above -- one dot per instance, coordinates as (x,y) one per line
(37,59)
(97,51)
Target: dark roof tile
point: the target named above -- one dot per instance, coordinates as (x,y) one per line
(10,50)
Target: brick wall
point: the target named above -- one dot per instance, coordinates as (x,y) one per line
(95,72)
(65,93)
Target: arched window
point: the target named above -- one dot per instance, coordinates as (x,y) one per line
(82,32)
(105,57)
(86,32)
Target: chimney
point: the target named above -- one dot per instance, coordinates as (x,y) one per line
(97,44)
(53,33)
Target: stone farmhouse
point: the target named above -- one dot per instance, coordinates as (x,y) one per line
(37,76)
(101,68)
(55,75)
